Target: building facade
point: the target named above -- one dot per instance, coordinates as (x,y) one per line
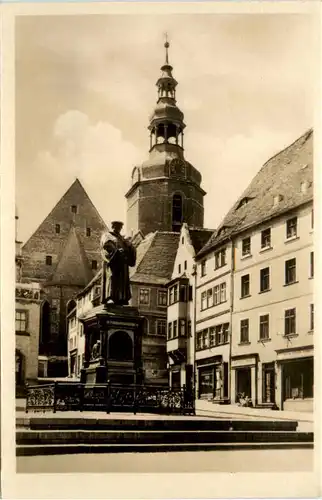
(268,235)
(181,315)
(214,322)
(62,255)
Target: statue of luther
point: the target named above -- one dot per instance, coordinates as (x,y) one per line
(118,255)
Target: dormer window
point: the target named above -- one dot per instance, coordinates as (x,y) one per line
(243,202)
(305,186)
(277,199)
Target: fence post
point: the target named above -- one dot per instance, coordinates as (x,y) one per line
(134,400)
(108,399)
(81,397)
(55,396)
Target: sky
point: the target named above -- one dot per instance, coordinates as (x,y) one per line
(85,88)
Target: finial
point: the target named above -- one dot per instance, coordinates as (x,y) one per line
(167,45)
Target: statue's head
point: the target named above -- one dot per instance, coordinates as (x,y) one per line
(117,226)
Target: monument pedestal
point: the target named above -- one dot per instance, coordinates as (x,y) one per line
(113,345)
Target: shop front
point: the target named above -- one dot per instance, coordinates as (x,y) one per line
(297,377)
(243,379)
(212,376)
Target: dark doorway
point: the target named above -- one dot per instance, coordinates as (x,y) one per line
(19,368)
(44,327)
(120,346)
(244,382)
(175,379)
(268,383)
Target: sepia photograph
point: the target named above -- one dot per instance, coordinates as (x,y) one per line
(164,242)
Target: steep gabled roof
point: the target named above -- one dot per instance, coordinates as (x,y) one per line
(276,189)
(199,237)
(73,267)
(155,258)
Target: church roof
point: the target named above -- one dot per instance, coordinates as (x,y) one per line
(73,267)
(155,258)
(282,184)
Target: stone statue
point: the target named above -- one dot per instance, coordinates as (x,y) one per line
(96,350)
(118,255)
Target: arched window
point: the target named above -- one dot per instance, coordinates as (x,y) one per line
(176,209)
(44,324)
(71,305)
(120,346)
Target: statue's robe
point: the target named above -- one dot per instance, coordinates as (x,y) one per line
(118,255)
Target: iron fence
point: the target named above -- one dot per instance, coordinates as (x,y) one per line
(74,396)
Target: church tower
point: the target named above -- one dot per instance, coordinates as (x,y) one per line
(166,189)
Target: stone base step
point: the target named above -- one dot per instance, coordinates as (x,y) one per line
(147,423)
(69,449)
(117,437)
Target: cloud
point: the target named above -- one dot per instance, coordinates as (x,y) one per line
(96,153)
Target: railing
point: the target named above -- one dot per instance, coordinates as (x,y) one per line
(73,396)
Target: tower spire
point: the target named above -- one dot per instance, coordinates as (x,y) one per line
(167,45)
(166,123)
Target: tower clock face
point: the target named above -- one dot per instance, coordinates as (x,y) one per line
(177,166)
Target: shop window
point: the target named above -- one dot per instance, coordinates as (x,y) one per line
(245,286)
(266,238)
(291,228)
(264,327)
(246,246)
(290,322)
(290,271)
(144,296)
(244,331)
